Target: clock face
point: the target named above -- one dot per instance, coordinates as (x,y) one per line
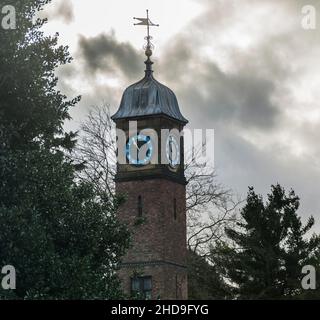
(173,152)
(139,150)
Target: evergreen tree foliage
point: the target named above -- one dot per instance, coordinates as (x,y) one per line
(63,238)
(268,248)
(204,282)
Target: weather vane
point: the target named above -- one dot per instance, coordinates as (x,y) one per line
(147,22)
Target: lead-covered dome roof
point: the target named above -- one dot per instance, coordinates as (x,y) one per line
(149,97)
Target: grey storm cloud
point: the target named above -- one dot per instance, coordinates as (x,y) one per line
(241,98)
(251,96)
(246,96)
(104,53)
(63,11)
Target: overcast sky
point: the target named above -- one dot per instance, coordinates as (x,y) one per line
(243,67)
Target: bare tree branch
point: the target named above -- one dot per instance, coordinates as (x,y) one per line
(210,207)
(96,149)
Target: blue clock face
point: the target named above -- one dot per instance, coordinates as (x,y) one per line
(139,150)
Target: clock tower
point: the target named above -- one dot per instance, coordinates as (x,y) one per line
(151,178)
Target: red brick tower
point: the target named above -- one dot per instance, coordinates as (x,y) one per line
(153,182)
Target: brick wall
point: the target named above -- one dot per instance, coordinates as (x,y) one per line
(159,240)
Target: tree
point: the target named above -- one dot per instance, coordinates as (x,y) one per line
(96,150)
(32,110)
(62,236)
(268,248)
(204,280)
(210,207)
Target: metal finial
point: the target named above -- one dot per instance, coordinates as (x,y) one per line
(149,46)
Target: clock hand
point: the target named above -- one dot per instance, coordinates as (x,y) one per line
(138,149)
(170,149)
(135,144)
